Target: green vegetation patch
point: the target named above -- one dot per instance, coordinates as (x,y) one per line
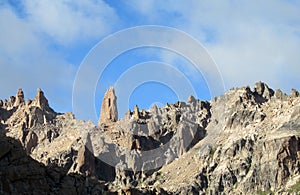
(268,192)
(295,187)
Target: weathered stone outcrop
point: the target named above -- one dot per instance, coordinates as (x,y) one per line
(86,159)
(109,111)
(41,101)
(246,141)
(294,93)
(19,173)
(251,147)
(263,90)
(19,98)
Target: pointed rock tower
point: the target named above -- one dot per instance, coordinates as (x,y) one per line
(19,97)
(109,111)
(40,100)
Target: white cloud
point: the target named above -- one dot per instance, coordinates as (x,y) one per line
(250,40)
(26,62)
(16,35)
(28,58)
(143,7)
(68,21)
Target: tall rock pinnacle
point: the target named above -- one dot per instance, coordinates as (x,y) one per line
(40,100)
(109,111)
(19,97)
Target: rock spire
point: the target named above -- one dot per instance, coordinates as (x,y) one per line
(19,97)
(109,111)
(40,100)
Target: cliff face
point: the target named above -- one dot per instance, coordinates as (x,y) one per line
(252,146)
(244,142)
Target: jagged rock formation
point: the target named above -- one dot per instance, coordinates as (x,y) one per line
(245,148)
(41,101)
(244,142)
(19,98)
(109,111)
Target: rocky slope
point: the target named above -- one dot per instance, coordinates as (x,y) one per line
(244,142)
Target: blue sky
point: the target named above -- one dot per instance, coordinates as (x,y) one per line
(43,44)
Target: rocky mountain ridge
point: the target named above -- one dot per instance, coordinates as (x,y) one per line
(243,142)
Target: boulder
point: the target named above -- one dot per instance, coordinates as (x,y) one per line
(86,161)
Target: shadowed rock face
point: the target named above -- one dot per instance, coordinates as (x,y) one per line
(20,174)
(243,142)
(109,111)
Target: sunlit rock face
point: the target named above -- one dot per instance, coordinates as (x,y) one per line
(246,141)
(109,111)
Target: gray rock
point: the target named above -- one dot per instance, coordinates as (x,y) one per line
(280,95)
(263,90)
(294,93)
(238,143)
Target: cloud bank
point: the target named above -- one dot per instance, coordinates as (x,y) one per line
(249,40)
(42,43)
(37,38)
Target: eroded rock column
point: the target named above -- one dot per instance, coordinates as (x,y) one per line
(109,111)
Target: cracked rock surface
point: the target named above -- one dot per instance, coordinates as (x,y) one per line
(246,141)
